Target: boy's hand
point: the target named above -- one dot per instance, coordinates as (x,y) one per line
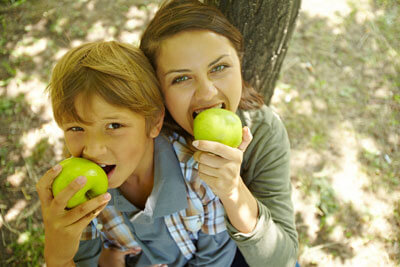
(219,165)
(63,228)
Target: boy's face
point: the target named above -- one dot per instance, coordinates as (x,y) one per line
(115,137)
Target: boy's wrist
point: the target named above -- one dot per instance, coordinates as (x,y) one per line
(52,262)
(59,263)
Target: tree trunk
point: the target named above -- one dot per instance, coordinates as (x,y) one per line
(266,26)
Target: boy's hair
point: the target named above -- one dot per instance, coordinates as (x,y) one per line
(119,73)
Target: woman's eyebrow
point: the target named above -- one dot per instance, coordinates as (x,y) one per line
(186,70)
(218,59)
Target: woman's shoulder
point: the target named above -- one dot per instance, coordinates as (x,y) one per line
(264,117)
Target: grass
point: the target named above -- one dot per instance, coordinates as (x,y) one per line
(338,95)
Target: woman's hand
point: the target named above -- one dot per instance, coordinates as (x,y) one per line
(219,168)
(219,165)
(63,228)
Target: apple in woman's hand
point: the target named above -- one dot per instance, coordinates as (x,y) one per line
(219,125)
(97,181)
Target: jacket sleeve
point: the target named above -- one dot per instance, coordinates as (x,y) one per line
(265,171)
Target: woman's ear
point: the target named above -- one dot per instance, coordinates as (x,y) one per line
(155,130)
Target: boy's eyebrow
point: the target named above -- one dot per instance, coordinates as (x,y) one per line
(186,70)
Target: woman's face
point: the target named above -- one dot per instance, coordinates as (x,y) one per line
(198,70)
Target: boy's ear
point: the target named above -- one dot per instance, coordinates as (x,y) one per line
(155,130)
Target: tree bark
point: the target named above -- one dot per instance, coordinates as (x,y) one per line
(267,26)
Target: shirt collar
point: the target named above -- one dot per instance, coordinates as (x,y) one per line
(169,191)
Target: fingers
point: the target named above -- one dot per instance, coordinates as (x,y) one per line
(84,221)
(88,208)
(209,159)
(218,149)
(246,139)
(60,201)
(43,186)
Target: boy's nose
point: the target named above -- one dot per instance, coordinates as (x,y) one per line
(94,150)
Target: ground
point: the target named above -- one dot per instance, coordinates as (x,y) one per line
(338,95)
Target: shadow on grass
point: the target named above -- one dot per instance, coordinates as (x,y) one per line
(341,87)
(34,35)
(21,227)
(339,97)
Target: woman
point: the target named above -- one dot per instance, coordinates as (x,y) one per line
(197,56)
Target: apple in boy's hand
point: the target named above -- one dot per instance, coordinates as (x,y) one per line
(219,125)
(97,181)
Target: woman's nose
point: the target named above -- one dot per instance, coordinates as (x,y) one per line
(205,89)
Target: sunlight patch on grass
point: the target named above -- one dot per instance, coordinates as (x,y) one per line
(347,178)
(17,178)
(15,210)
(23,84)
(30,47)
(49,131)
(100,32)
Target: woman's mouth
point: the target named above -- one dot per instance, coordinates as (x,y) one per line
(197,111)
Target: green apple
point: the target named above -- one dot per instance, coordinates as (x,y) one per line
(97,181)
(219,125)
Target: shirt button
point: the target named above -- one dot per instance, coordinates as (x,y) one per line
(99,226)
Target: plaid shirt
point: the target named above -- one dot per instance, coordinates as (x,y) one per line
(204,213)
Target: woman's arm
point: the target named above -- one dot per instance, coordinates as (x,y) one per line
(258,203)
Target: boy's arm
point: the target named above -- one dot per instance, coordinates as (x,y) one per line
(63,228)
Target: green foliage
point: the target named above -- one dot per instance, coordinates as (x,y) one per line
(11,106)
(13,3)
(28,248)
(39,152)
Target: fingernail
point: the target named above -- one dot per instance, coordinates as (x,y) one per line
(195,143)
(81,180)
(107,196)
(57,168)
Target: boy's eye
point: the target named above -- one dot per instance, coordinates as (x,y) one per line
(75,129)
(114,126)
(218,68)
(180,79)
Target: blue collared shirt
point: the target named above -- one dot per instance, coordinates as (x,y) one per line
(148,227)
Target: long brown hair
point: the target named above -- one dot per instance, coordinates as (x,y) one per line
(175,16)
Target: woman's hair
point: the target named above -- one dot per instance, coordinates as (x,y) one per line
(119,73)
(175,16)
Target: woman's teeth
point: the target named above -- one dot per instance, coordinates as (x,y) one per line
(196,112)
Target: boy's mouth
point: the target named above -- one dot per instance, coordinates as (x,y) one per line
(107,168)
(197,111)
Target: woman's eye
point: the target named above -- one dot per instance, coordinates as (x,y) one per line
(114,126)
(218,68)
(75,129)
(180,79)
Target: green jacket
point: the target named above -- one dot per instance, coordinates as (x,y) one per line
(265,171)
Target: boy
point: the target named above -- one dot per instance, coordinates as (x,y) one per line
(105,98)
